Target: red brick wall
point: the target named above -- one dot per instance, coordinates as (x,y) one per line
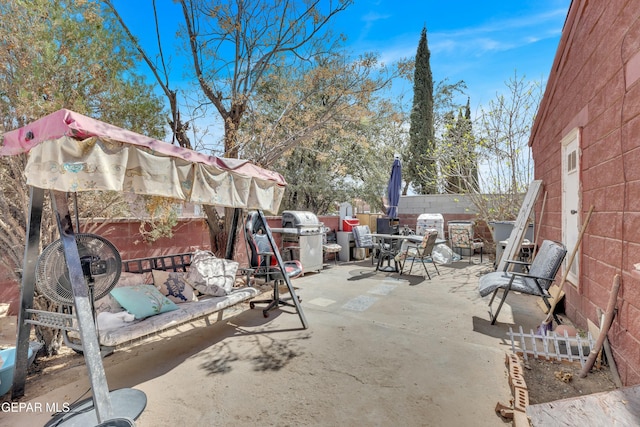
(189,235)
(595,85)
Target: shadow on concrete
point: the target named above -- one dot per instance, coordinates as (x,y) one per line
(362,274)
(373,274)
(415,280)
(269,353)
(484,326)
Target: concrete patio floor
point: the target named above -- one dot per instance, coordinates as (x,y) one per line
(381,350)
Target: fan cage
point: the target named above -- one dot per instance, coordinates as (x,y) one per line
(101,265)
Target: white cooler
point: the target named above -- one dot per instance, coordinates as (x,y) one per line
(430,221)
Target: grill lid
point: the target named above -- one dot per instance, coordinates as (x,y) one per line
(298,219)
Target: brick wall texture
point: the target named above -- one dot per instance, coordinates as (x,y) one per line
(188,235)
(594,86)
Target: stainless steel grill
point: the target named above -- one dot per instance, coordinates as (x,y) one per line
(305,222)
(303,229)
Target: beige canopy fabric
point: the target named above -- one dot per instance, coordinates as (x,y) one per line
(71,152)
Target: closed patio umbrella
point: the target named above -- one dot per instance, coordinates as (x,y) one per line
(394,188)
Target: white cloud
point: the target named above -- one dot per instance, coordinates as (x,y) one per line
(484,52)
(371,17)
(496,36)
(369,20)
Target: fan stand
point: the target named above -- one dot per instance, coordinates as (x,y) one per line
(127,404)
(106,408)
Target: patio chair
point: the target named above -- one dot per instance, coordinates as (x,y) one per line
(264,265)
(363,239)
(388,249)
(421,251)
(330,244)
(461,237)
(542,272)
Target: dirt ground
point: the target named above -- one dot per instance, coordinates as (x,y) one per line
(549,380)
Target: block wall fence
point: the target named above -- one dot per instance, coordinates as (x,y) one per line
(191,234)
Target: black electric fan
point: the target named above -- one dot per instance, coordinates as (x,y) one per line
(101,266)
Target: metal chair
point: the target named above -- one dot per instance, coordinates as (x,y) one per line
(388,248)
(542,272)
(330,245)
(422,252)
(461,237)
(264,264)
(363,239)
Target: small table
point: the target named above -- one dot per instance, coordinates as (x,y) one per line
(394,244)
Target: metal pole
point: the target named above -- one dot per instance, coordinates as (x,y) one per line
(77,211)
(27,289)
(286,278)
(86,324)
(233,232)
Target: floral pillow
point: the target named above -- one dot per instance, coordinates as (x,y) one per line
(460,235)
(143,300)
(210,275)
(174,286)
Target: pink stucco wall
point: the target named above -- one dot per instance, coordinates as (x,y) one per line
(189,235)
(594,85)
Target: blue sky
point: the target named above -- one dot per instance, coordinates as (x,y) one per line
(481,42)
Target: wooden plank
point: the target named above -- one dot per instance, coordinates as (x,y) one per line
(521,224)
(595,332)
(617,407)
(593,328)
(556,293)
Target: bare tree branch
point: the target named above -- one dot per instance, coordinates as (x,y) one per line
(179,129)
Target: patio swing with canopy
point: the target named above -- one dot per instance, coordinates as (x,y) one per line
(68,152)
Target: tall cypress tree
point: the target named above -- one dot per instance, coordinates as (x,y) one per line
(459,162)
(472,160)
(421,165)
(452,164)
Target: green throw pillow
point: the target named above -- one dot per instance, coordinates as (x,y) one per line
(143,300)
